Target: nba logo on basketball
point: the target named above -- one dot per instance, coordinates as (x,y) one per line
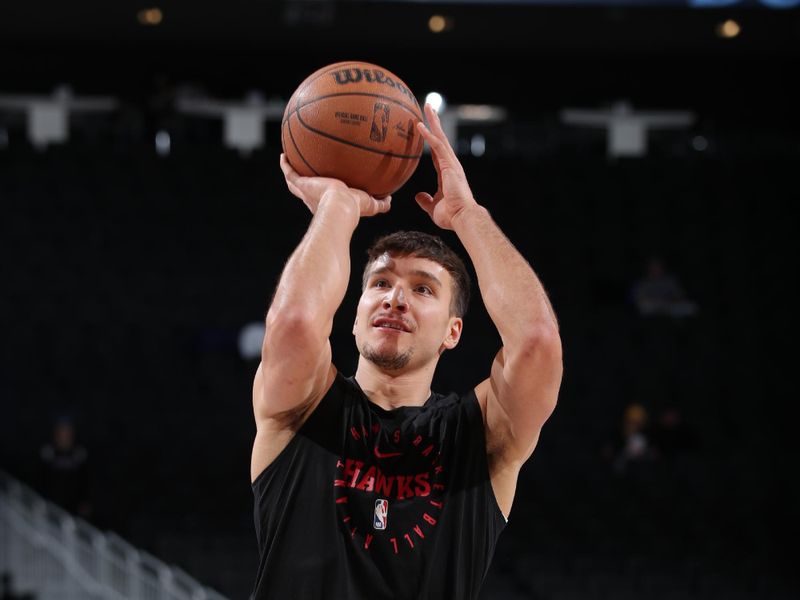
(380,122)
(381,513)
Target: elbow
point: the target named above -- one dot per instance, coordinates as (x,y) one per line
(541,346)
(293,326)
(543,339)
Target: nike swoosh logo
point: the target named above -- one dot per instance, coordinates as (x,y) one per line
(380,454)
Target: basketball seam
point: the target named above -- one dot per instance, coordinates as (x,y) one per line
(371,94)
(341,65)
(300,154)
(359,146)
(336,139)
(327,70)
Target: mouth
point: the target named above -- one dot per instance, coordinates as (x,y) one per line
(391,324)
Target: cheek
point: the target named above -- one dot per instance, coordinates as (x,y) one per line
(362,315)
(438,326)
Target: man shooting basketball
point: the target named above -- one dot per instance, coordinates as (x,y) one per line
(373,486)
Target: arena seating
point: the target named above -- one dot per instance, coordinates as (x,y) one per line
(127,277)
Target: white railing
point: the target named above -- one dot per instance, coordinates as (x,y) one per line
(57,556)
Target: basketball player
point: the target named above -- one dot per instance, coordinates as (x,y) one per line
(373,486)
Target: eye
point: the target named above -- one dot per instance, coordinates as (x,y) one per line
(424,289)
(380,283)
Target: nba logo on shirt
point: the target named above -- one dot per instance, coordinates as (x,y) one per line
(381,512)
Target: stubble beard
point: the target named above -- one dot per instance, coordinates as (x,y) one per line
(388,360)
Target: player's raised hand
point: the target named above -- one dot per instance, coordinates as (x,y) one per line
(311,191)
(453,194)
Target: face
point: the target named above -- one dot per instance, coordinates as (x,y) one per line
(403,319)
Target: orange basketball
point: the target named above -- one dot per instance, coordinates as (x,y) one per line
(356,122)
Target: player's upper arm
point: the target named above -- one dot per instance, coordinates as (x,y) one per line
(520,394)
(295,366)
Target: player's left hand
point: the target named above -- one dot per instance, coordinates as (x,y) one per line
(454,194)
(311,191)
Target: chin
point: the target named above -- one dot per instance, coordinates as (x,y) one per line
(390,360)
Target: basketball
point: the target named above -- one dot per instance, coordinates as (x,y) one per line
(356,122)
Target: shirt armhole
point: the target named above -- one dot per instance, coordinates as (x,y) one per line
(475,415)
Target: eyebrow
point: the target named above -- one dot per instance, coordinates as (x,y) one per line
(418,272)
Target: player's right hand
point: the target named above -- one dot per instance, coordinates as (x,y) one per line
(312,190)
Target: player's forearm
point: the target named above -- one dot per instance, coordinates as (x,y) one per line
(512,293)
(314,281)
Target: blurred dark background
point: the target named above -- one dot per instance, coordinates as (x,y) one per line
(129,270)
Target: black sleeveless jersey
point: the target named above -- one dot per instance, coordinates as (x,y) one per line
(367,503)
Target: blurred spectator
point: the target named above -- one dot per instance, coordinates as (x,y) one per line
(671,436)
(632,445)
(660,293)
(65,470)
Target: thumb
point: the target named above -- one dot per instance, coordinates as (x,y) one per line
(384,204)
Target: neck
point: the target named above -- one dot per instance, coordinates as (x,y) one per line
(392,389)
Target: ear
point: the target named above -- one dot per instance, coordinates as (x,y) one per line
(354,325)
(453,333)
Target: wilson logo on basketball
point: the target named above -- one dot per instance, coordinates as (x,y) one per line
(355,75)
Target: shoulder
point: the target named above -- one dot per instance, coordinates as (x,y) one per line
(460,412)
(275,433)
(451,401)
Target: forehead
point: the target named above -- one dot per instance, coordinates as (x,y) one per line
(408,266)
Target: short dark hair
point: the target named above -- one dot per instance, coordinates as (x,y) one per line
(425,245)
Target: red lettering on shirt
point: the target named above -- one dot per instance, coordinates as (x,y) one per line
(404,487)
(351,470)
(367,482)
(423,487)
(384,484)
(366,476)
(372,479)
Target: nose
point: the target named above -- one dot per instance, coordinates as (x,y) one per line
(396,299)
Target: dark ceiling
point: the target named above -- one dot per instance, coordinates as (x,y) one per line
(288,24)
(494,51)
